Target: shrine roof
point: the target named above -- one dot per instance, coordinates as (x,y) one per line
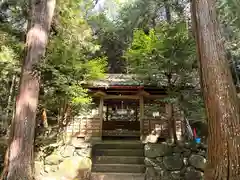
(118,80)
(133,80)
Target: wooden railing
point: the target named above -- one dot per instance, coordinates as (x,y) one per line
(121,128)
(91,127)
(151,124)
(82,127)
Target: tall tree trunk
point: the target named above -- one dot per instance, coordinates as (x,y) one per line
(171,123)
(23,126)
(11,92)
(61,115)
(167,10)
(174,128)
(170,111)
(219,95)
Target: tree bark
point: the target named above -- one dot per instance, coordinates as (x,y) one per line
(219,95)
(174,128)
(23,126)
(171,123)
(167,11)
(170,111)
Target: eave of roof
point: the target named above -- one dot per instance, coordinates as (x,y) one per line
(131,81)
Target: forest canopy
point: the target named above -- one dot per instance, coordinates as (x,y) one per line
(50,50)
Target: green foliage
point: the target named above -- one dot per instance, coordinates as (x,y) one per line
(70,59)
(231,10)
(75,55)
(191,102)
(167,50)
(10,51)
(229,16)
(229,13)
(115,32)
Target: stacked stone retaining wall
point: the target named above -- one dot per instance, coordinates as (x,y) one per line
(68,162)
(171,162)
(163,162)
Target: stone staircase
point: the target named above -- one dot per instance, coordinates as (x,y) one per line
(118,160)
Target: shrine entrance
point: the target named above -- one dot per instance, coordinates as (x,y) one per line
(121,118)
(125,107)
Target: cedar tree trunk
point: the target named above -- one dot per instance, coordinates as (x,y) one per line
(219,95)
(23,126)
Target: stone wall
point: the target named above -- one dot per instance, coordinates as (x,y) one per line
(163,162)
(169,162)
(68,162)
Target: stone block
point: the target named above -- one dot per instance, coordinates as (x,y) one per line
(173,162)
(156,150)
(78,142)
(151,174)
(197,161)
(67,151)
(152,162)
(193,174)
(38,167)
(84,152)
(50,168)
(53,159)
(176,175)
(75,167)
(178,149)
(187,152)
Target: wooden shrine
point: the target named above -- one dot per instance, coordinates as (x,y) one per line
(124,107)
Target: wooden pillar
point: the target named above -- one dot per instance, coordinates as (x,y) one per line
(168,109)
(107,113)
(136,113)
(141,103)
(101,103)
(98,121)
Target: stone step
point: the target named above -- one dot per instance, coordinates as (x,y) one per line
(118,168)
(118,159)
(117,176)
(118,152)
(119,146)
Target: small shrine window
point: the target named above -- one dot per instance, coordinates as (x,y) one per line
(121,110)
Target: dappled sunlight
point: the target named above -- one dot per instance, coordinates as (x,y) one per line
(100,177)
(158,129)
(29,96)
(37,35)
(120,87)
(16,149)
